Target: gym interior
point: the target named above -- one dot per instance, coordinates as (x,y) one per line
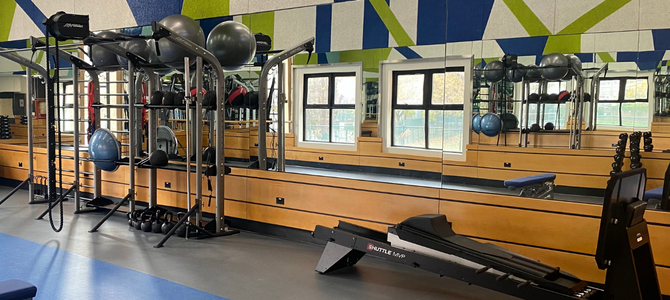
(335,149)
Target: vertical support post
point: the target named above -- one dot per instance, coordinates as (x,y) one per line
(75,133)
(523,98)
(220,151)
(281,134)
(527,118)
(29,126)
(151,141)
(262,125)
(131,135)
(580,112)
(97,173)
(138,114)
(189,117)
(198,139)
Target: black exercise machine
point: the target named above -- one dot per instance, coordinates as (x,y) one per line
(428,242)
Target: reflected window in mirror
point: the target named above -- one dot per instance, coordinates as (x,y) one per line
(328,110)
(623,102)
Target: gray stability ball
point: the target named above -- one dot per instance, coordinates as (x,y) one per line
(574,61)
(100,56)
(533,73)
(170,53)
(494,71)
(140,48)
(516,74)
(554,66)
(232,43)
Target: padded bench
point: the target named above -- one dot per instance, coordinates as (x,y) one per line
(16,290)
(535,186)
(656,193)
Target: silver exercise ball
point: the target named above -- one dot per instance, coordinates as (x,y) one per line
(516,74)
(494,71)
(100,56)
(171,54)
(554,66)
(477,71)
(232,43)
(140,48)
(533,73)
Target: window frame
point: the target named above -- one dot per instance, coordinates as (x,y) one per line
(298,94)
(427,104)
(385,106)
(329,106)
(622,97)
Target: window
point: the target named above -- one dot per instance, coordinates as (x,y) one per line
(623,102)
(427,108)
(328,105)
(330,108)
(555,113)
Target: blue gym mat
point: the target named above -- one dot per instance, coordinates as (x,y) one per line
(59,274)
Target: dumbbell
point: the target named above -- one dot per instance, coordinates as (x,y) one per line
(617,165)
(635,158)
(618,157)
(648,148)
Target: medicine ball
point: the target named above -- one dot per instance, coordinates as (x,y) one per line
(236,97)
(102,57)
(552,97)
(168,98)
(564,96)
(491,124)
(172,54)
(209,101)
(516,74)
(534,98)
(477,71)
(535,127)
(179,98)
(232,43)
(494,71)
(587,97)
(251,100)
(156,98)
(209,155)
(549,126)
(477,123)
(554,66)
(510,121)
(158,158)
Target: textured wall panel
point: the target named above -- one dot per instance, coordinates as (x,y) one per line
(293,26)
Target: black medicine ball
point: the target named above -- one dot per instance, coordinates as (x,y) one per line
(549,126)
(158,158)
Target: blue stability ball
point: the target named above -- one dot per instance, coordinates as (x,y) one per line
(477,123)
(491,124)
(104,150)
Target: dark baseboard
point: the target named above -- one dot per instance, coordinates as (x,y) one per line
(367,169)
(499,183)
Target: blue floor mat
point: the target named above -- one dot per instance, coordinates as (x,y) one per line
(59,274)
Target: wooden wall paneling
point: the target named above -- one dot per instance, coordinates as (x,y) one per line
(301,219)
(322,157)
(526,227)
(231,208)
(371,206)
(13,173)
(582,266)
(118,176)
(14,159)
(557,206)
(401,163)
(566,163)
(664,279)
(390,188)
(461,171)
(660,243)
(657,217)
(655,167)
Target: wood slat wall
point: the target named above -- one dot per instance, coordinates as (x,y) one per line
(554,232)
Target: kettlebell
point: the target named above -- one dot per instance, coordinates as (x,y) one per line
(158,223)
(138,219)
(167,222)
(181,231)
(130,218)
(147,219)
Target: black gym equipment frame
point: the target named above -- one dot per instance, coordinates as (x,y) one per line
(348,243)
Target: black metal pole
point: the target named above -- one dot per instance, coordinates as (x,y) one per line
(109,214)
(176,226)
(18,187)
